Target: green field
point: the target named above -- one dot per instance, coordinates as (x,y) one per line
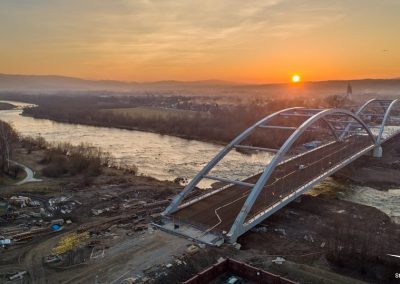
(154,112)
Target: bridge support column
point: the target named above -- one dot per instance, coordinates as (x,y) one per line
(377,152)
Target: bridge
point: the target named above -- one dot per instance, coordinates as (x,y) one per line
(305,145)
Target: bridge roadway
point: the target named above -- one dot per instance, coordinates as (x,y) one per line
(217,212)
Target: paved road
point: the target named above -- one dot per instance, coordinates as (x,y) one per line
(285,179)
(29,174)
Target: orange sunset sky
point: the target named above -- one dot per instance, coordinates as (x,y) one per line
(248,41)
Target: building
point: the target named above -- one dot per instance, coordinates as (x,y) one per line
(238,272)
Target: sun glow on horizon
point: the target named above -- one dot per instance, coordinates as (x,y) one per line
(296,78)
(148,41)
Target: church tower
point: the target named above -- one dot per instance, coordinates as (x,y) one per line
(349,92)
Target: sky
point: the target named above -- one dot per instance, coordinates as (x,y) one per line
(258,41)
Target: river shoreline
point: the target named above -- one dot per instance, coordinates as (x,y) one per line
(123,127)
(6,106)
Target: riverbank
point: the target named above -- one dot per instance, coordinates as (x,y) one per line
(172,115)
(380,173)
(125,127)
(6,106)
(161,156)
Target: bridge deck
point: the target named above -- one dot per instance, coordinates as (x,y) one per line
(284,180)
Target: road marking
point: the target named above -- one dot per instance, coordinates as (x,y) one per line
(398,256)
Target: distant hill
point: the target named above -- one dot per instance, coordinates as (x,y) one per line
(53,83)
(63,84)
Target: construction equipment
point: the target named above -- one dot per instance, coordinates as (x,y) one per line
(69,242)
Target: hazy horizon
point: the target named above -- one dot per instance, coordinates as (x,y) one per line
(217,80)
(147,40)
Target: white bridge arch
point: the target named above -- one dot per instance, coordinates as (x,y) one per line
(352,138)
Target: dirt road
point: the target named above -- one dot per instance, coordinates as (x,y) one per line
(29,174)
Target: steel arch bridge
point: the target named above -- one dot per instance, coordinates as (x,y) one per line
(307,145)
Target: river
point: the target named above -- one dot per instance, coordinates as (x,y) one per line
(161,156)
(166,157)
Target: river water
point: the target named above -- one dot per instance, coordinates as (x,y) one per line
(161,156)
(386,201)
(166,157)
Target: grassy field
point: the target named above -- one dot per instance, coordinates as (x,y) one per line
(152,112)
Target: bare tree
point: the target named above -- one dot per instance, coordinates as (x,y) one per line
(8,138)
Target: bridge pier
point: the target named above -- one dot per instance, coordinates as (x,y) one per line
(377,152)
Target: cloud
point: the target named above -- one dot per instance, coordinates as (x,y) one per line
(124,20)
(156,32)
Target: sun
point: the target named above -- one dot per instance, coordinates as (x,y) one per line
(296,78)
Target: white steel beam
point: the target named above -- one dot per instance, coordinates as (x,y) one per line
(238,225)
(229,181)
